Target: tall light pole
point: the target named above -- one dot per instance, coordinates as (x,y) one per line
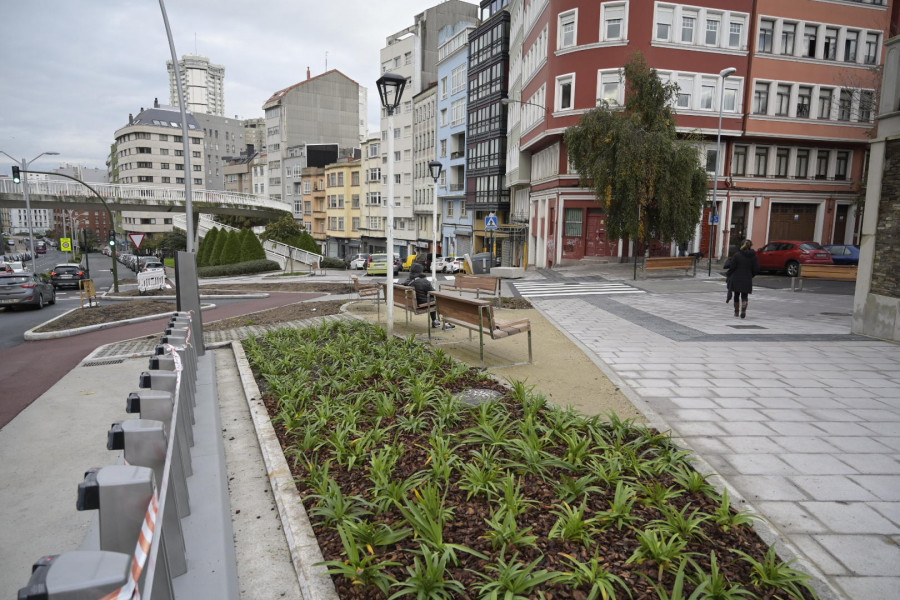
(23,165)
(390,89)
(723,74)
(434,167)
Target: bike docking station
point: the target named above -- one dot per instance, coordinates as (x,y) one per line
(150,540)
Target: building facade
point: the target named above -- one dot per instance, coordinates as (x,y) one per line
(96,223)
(373,237)
(343,187)
(424,144)
(202,83)
(314,213)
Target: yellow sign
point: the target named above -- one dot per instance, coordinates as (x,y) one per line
(65,244)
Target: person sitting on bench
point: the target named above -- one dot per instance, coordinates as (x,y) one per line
(423,287)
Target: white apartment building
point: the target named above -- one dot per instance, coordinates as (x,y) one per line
(203,85)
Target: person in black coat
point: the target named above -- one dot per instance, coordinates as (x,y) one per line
(417,280)
(744,267)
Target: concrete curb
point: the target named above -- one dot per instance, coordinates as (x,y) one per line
(202,297)
(314,581)
(31,335)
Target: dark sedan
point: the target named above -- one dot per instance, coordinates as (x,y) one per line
(67,274)
(843,254)
(17,289)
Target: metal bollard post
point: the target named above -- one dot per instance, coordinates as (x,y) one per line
(185,351)
(180,338)
(121,493)
(165,362)
(159,406)
(77,574)
(165,381)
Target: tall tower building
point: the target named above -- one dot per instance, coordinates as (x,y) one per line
(203,85)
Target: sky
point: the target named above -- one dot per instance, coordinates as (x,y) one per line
(73,70)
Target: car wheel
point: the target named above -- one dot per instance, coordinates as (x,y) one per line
(792,268)
(53,297)
(40,302)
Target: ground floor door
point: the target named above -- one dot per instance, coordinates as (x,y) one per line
(840,224)
(789,221)
(595,234)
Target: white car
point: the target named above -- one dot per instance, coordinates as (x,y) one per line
(17,266)
(451,264)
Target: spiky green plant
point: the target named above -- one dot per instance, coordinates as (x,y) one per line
(503,530)
(513,580)
(360,567)
(572,525)
(593,573)
(429,577)
(776,576)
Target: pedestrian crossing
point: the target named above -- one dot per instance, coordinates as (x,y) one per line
(533,289)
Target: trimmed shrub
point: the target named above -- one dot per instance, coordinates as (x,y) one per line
(206,247)
(215,254)
(251,247)
(242,268)
(231,252)
(330,262)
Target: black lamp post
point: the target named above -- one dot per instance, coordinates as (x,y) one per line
(434,168)
(390,90)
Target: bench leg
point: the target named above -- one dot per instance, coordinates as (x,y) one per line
(480,344)
(530,358)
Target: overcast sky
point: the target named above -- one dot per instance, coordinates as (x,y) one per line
(72,70)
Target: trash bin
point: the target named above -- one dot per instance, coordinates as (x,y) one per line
(481,263)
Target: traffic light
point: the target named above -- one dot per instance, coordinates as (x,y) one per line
(112,237)
(17,178)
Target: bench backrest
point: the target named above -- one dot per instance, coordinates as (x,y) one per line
(674,262)
(364,289)
(831,271)
(482,283)
(476,312)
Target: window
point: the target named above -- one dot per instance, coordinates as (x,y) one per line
(851,43)
(574,221)
(354,178)
(407,58)
(166,180)
(804,98)
(198,181)
(711,161)
(458,76)
(739,161)
(688,24)
(613,22)
(840,164)
(197,167)
(706,96)
(762,161)
(565,92)
(788,38)
(766,32)
(802,171)
(735,34)
(164,151)
(822,164)
(810,35)
(712,32)
(443,148)
(664,19)
(142,150)
(831,34)
(866,104)
(761,98)
(825,103)
(145,179)
(782,99)
(567,34)
(610,87)
(844,105)
(730,100)
(144,165)
(782,155)
(871,48)
(685,89)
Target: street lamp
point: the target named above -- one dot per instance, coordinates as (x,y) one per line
(23,166)
(724,73)
(434,167)
(390,90)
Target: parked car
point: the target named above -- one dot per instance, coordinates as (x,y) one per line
(378,264)
(151,265)
(843,254)
(408,262)
(138,265)
(67,274)
(787,256)
(357,261)
(455,264)
(17,289)
(17,266)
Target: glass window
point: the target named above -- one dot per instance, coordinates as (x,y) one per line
(739,161)
(810,36)
(851,43)
(871,48)
(831,43)
(712,32)
(613,21)
(866,103)
(762,162)
(567,33)
(782,156)
(565,92)
(844,105)
(574,220)
(822,164)
(685,89)
(802,171)
(788,35)
(730,100)
(766,32)
(840,165)
(735,34)
(664,18)
(825,103)
(706,96)
(688,24)
(783,99)
(761,98)
(804,98)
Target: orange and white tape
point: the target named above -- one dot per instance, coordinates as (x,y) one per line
(130,590)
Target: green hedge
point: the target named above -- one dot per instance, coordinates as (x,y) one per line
(243,268)
(330,262)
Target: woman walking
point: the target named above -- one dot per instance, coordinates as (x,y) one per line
(744,267)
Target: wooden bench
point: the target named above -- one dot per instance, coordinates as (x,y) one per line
(478,315)
(658,263)
(824,273)
(405,298)
(477,284)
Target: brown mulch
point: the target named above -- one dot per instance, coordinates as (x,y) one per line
(108,313)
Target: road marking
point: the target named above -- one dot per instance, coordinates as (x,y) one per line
(533,289)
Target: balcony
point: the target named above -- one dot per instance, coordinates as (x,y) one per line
(457,154)
(457,187)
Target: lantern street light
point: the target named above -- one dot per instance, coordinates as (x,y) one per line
(724,73)
(434,167)
(390,90)
(23,166)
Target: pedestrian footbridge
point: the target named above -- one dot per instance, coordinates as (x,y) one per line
(74,196)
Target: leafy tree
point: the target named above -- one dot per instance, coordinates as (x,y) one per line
(240,221)
(215,255)
(206,247)
(231,251)
(170,243)
(287,231)
(251,248)
(651,184)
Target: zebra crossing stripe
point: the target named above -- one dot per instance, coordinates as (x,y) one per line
(528,289)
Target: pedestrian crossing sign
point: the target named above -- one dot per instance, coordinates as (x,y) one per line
(490,222)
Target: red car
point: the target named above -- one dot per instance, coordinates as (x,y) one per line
(787,256)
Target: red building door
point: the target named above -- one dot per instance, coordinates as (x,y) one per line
(595,234)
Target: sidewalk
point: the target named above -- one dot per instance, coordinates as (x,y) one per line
(796,415)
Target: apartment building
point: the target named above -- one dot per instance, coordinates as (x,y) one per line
(326,109)
(343,185)
(298,158)
(314,213)
(413,53)
(797,111)
(202,83)
(373,237)
(149,151)
(96,222)
(239,175)
(424,131)
(455,235)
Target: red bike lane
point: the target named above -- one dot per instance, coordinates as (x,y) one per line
(31,368)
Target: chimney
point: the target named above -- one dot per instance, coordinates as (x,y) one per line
(156,103)
(130,118)
(307,74)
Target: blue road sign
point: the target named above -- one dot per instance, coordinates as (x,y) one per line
(490,222)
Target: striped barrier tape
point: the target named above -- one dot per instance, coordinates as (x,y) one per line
(130,590)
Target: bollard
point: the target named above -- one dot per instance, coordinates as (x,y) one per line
(144,443)
(77,574)
(165,381)
(186,353)
(121,494)
(165,362)
(159,406)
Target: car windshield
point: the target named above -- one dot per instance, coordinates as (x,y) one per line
(66,269)
(811,246)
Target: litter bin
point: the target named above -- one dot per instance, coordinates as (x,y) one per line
(481,263)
